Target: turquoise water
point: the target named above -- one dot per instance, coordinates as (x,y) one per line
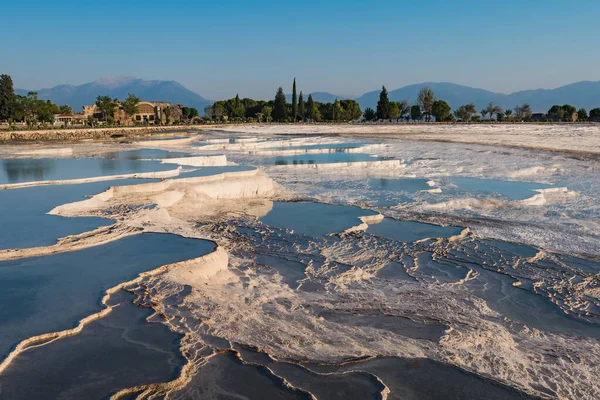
(510,189)
(314,219)
(394,191)
(323,158)
(26,224)
(409,231)
(52,293)
(16,170)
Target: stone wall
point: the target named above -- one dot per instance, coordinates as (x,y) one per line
(84,133)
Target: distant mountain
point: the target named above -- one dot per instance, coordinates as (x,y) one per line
(584,94)
(323,97)
(119,87)
(581,94)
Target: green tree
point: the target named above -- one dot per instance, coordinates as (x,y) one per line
(66,109)
(294,103)
(582,114)
(339,114)
(426,98)
(7,98)
(493,109)
(310,109)
(167,112)
(351,110)
(369,114)
(441,110)
(483,112)
(594,114)
(266,111)
(106,106)
(508,113)
(30,105)
(130,105)
(556,113)
(280,106)
(394,111)
(301,107)
(238,110)
(45,111)
(383,105)
(465,112)
(569,111)
(415,112)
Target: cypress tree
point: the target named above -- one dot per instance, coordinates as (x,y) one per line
(7,97)
(310,108)
(294,103)
(279,107)
(383,105)
(301,110)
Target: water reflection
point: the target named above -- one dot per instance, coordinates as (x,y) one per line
(19,170)
(321,158)
(32,169)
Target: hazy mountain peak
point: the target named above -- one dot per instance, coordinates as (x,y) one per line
(114,81)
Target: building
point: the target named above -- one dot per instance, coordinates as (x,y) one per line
(149,113)
(68,119)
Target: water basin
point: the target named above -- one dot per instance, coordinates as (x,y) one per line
(52,293)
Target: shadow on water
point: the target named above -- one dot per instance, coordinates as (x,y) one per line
(113,353)
(52,293)
(406,379)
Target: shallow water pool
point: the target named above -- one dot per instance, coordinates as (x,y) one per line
(52,293)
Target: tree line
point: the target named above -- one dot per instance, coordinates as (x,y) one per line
(279,110)
(29,108)
(33,111)
(428,106)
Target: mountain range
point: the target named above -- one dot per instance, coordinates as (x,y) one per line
(584,94)
(120,87)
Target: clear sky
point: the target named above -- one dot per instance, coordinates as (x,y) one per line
(220,48)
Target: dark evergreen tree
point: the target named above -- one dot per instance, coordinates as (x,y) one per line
(7,97)
(369,114)
(311,112)
(279,106)
(301,107)
(294,103)
(383,105)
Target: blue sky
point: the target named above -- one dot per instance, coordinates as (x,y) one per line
(220,48)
